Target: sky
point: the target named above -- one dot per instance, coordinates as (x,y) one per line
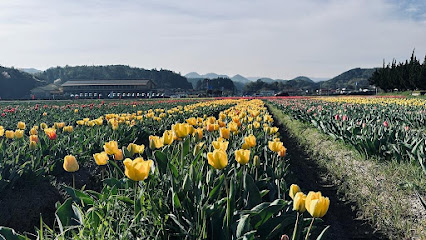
(277,39)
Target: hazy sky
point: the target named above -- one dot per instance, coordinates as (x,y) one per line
(278,39)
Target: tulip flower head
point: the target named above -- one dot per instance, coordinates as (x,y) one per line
(250,140)
(10,134)
(242,156)
(21,125)
(217,159)
(118,155)
(138,169)
(293,190)
(19,134)
(299,202)
(111,147)
(316,204)
(224,133)
(222,145)
(168,137)
(70,164)
(101,158)
(275,146)
(51,133)
(135,149)
(155,142)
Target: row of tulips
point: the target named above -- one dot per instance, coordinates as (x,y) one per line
(36,151)
(205,177)
(391,128)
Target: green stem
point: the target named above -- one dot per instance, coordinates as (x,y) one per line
(309,229)
(295,226)
(73,181)
(228,207)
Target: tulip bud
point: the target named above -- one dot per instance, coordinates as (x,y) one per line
(293,190)
(70,164)
(256,161)
(299,202)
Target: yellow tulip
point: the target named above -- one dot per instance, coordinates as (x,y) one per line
(34,138)
(224,133)
(210,127)
(250,140)
(43,126)
(111,147)
(242,156)
(134,148)
(80,122)
(293,190)
(222,145)
(33,131)
(1,131)
(217,159)
(155,142)
(118,155)
(275,146)
(233,127)
(198,134)
(68,129)
(101,158)
(10,134)
(282,151)
(138,169)
(70,164)
(316,204)
(182,130)
(299,202)
(256,125)
(168,137)
(192,121)
(76,110)
(19,134)
(21,125)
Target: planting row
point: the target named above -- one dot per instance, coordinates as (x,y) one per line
(391,128)
(195,176)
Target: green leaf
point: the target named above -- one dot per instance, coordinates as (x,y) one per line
(322,233)
(243,225)
(176,201)
(66,215)
(10,234)
(252,192)
(161,160)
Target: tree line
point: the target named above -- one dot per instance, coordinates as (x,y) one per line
(408,75)
(162,78)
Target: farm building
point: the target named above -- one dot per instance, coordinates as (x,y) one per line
(107,88)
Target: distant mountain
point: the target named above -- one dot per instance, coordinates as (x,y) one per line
(30,70)
(352,79)
(16,84)
(162,78)
(193,75)
(317,79)
(208,75)
(239,78)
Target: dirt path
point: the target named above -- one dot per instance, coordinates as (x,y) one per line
(309,176)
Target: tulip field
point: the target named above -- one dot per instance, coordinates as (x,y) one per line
(390,128)
(163,169)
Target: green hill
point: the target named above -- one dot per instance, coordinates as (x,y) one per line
(349,79)
(162,78)
(16,84)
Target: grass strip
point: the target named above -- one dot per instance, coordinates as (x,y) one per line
(385,193)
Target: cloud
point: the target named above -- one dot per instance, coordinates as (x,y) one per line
(280,39)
